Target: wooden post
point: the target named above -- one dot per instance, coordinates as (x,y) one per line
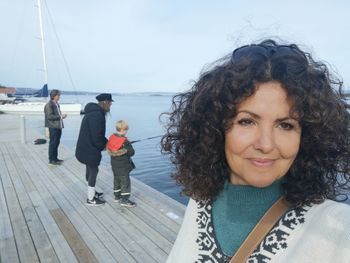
(23,129)
(47,133)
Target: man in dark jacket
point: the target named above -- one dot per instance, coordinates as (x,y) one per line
(92,141)
(54,121)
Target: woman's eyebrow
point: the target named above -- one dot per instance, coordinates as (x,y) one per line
(250,113)
(257,116)
(287,118)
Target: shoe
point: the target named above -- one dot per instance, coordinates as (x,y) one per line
(117,199)
(98,194)
(54,163)
(127,203)
(59,160)
(95,202)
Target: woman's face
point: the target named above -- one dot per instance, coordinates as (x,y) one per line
(264,138)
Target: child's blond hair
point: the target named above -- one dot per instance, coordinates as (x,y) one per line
(121,125)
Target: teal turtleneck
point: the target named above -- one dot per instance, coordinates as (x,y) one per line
(237,209)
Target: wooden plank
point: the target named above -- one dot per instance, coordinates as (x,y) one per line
(79,247)
(40,239)
(87,224)
(24,243)
(158,218)
(64,167)
(8,250)
(63,251)
(138,231)
(158,201)
(51,192)
(142,234)
(167,206)
(137,236)
(153,219)
(142,226)
(126,243)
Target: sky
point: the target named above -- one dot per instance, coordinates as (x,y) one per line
(125,46)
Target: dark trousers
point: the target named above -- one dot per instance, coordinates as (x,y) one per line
(121,185)
(55,137)
(91,175)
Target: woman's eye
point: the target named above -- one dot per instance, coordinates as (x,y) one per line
(245,122)
(286,126)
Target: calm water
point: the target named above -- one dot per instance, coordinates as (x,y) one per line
(142,114)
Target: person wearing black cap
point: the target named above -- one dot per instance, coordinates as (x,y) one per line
(92,141)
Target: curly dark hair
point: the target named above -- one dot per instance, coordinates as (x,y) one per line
(200,117)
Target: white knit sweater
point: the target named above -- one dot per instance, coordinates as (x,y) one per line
(320,233)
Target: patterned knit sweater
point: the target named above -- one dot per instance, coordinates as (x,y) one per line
(318,233)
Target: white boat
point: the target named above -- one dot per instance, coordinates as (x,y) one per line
(31,105)
(6,99)
(37,107)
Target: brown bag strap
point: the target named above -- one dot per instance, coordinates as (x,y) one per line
(261,229)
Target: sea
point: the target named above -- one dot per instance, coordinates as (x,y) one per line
(142,112)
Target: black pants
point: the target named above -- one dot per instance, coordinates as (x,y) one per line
(121,182)
(91,175)
(55,137)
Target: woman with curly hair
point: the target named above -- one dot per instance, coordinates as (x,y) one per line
(266,123)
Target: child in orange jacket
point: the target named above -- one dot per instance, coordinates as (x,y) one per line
(121,150)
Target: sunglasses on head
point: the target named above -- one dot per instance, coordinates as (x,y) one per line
(254,50)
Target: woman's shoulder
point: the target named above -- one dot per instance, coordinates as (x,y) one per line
(330,209)
(315,233)
(328,217)
(331,205)
(186,248)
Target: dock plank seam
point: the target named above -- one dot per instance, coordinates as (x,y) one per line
(23,238)
(55,188)
(39,236)
(8,246)
(113,220)
(145,233)
(51,192)
(79,191)
(78,245)
(154,218)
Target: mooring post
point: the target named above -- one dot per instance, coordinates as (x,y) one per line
(23,129)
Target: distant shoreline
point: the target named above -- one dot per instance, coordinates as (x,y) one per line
(154,93)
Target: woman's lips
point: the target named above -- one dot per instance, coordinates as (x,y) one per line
(262,162)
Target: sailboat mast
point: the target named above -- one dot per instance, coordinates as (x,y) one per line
(42,41)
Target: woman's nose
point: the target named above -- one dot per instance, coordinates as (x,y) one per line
(264,140)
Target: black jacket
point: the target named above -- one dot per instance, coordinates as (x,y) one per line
(91,140)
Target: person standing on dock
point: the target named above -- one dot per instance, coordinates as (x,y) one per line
(54,121)
(91,142)
(121,150)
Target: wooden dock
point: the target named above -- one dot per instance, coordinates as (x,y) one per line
(43,216)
